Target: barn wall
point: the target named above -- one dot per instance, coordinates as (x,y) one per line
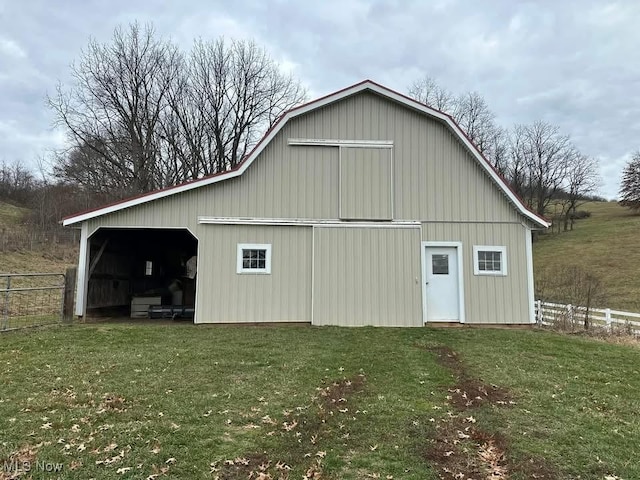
(434,175)
(489,299)
(224,296)
(367,276)
(434,179)
(110,281)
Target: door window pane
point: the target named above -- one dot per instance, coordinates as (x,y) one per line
(440,264)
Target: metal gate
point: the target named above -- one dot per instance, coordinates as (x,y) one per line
(31,299)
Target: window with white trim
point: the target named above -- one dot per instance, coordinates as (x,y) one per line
(254,258)
(489,260)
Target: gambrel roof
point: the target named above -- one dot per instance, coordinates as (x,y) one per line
(366,85)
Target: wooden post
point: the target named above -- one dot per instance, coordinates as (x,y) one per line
(5,309)
(69,293)
(607,318)
(539,315)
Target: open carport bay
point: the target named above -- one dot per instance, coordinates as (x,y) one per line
(130,270)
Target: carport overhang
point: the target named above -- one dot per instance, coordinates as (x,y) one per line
(86,264)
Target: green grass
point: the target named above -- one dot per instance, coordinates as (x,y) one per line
(603,244)
(193,395)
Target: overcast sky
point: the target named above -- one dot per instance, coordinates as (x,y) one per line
(574,63)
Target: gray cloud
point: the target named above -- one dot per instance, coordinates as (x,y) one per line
(573,63)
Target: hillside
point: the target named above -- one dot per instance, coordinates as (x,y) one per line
(11,215)
(23,259)
(604,245)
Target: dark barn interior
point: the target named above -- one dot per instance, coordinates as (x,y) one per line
(142,273)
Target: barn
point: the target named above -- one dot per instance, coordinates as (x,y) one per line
(363,207)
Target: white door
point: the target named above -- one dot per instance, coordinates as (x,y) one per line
(441,284)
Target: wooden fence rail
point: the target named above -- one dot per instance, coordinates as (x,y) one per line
(548,313)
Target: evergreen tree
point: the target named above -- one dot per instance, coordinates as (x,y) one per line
(630,186)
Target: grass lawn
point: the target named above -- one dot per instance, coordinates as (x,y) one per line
(183,401)
(602,244)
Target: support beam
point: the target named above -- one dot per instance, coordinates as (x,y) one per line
(530,283)
(83,278)
(95,261)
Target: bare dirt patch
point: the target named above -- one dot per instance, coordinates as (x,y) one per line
(469,392)
(250,466)
(460,449)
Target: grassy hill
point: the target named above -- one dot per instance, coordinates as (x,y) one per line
(604,245)
(11,215)
(14,259)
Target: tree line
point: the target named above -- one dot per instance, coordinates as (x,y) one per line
(47,200)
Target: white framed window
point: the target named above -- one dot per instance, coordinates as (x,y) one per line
(148,268)
(254,258)
(489,260)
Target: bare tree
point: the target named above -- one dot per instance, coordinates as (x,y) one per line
(471,112)
(141,115)
(581,181)
(230,94)
(540,161)
(473,115)
(427,91)
(16,182)
(85,166)
(115,105)
(572,285)
(630,186)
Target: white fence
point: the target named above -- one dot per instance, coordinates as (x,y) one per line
(553,313)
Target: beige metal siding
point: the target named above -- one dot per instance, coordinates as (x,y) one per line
(367,276)
(225,296)
(365,184)
(489,299)
(434,177)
